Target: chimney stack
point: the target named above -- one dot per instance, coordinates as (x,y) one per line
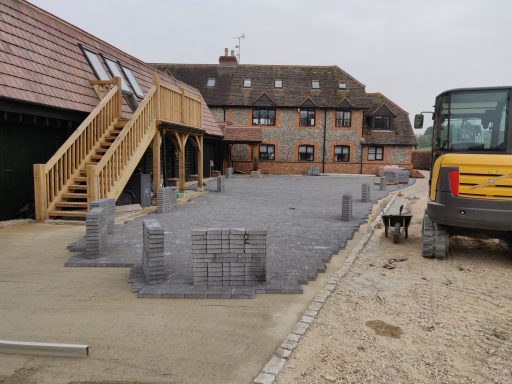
(228,60)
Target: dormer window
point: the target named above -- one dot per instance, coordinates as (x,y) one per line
(382,122)
(278,83)
(342,84)
(210,83)
(247,83)
(315,84)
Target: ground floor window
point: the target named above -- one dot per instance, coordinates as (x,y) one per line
(306,153)
(342,153)
(267,151)
(375,153)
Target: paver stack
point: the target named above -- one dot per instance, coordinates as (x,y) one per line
(153,252)
(229,257)
(165,200)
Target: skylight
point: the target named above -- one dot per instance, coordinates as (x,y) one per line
(96,65)
(210,83)
(133,82)
(116,72)
(315,84)
(278,83)
(342,84)
(247,83)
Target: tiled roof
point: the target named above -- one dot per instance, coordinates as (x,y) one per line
(229,90)
(41,62)
(244,135)
(401,132)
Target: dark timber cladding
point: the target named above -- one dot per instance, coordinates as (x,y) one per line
(46,92)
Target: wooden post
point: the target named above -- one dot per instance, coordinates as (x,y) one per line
(93,187)
(255,157)
(200,163)
(40,192)
(157,85)
(155,147)
(182,109)
(117,80)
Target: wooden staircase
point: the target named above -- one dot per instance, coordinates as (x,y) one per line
(73,202)
(98,159)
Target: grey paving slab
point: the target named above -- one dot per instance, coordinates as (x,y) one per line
(300,214)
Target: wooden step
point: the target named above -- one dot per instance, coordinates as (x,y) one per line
(74,187)
(71,204)
(96,157)
(106,144)
(57,213)
(110,137)
(74,195)
(81,179)
(101,150)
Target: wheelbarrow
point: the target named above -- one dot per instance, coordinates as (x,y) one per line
(397,216)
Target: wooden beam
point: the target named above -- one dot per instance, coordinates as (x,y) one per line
(44,349)
(157,141)
(41,200)
(199,140)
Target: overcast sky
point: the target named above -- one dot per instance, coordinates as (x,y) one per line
(410,50)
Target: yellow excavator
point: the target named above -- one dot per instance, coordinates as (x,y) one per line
(471,168)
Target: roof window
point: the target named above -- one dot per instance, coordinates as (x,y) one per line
(95,64)
(210,82)
(133,82)
(342,84)
(247,83)
(315,84)
(278,83)
(116,72)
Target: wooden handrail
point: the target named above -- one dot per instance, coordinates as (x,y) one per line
(66,163)
(112,171)
(179,107)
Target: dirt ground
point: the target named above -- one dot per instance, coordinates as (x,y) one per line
(413,320)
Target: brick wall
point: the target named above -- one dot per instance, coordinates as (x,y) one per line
(287,135)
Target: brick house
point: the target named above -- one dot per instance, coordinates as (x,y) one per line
(308,115)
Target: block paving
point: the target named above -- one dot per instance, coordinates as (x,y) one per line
(300,214)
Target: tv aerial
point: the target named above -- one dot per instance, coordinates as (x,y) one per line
(239,45)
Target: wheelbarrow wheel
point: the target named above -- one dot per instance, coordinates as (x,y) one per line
(396,233)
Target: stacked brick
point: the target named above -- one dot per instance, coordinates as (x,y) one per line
(153,252)
(346,207)
(229,257)
(365,193)
(96,228)
(382,183)
(220,184)
(165,200)
(403,176)
(109,211)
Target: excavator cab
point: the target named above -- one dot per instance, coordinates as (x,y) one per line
(471,168)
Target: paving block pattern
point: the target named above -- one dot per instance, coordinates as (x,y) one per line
(220,184)
(153,252)
(365,193)
(346,207)
(109,211)
(165,200)
(382,183)
(229,257)
(95,232)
